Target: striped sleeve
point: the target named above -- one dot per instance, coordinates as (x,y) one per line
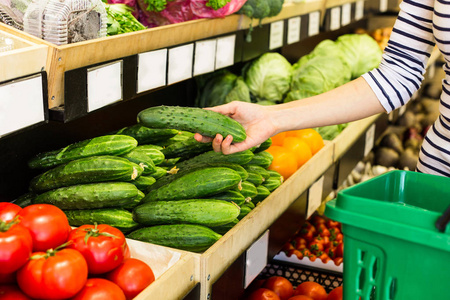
(405,58)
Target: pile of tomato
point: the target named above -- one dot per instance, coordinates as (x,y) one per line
(319,238)
(42,257)
(280,288)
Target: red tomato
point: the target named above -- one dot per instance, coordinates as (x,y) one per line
(336,294)
(8,211)
(311,289)
(339,251)
(316,246)
(263,294)
(295,252)
(55,274)
(99,288)
(316,220)
(300,297)
(338,261)
(16,245)
(333,224)
(126,253)
(103,246)
(280,285)
(132,276)
(323,230)
(12,292)
(47,224)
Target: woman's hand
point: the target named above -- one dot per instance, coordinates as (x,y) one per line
(256,121)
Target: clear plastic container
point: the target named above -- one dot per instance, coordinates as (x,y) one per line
(66,21)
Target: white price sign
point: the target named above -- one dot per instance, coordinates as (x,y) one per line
(335,18)
(314,23)
(152,70)
(21,104)
(293,35)
(359,10)
(276,35)
(180,63)
(104,85)
(315,196)
(205,57)
(225,51)
(256,258)
(346,14)
(370,139)
(383,5)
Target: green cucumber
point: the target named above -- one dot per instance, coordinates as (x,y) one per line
(245,210)
(248,189)
(222,229)
(249,204)
(159,172)
(153,151)
(186,148)
(91,195)
(169,162)
(257,169)
(143,182)
(263,192)
(86,170)
(145,135)
(192,119)
(180,136)
(188,237)
(135,201)
(262,159)
(230,196)
(239,158)
(255,178)
(263,146)
(206,212)
(274,174)
(25,199)
(142,159)
(238,168)
(272,183)
(196,184)
(102,145)
(116,217)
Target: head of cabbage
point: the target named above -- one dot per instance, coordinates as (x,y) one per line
(268,77)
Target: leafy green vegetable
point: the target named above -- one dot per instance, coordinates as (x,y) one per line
(156,5)
(268,77)
(217,4)
(360,51)
(255,9)
(220,88)
(330,132)
(120,19)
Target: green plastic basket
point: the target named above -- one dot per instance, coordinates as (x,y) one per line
(393,250)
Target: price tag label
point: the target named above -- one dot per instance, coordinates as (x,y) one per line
(370,139)
(180,63)
(335,18)
(21,104)
(315,196)
(276,35)
(383,5)
(104,85)
(256,258)
(294,25)
(205,57)
(152,70)
(314,23)
(359,10)
(346,14)
(225,51)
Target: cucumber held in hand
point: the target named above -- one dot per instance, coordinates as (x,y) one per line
(192,119)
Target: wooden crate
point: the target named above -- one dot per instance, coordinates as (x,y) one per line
(26,58)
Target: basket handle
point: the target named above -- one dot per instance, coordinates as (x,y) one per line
(443,220)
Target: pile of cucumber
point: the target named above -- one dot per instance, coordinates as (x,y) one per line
(156,184)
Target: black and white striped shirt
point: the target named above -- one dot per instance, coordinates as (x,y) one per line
(419,27)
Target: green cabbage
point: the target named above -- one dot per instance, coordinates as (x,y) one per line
(221,87)
(268,77)
(360,51)
(330,132)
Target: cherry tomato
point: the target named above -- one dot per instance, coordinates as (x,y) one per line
(295,252)
(103,246)
(339,251)
(8,211)
(280,285)
(311,289)
(263,294)
(300,297)
(316,245)
(316,220)
(16,245)
(338,260)
(132,276)
(12,292)
(287,246)
(55,274)
(323,230)
(323,256)
(99,288)
(47,224)
(336,294)
(333,224)
(299,242)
